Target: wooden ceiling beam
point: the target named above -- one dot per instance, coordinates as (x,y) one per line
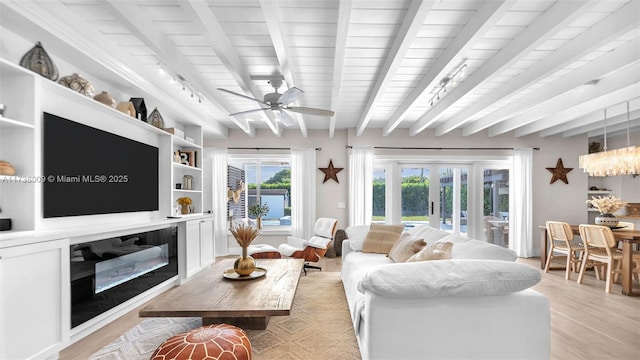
(273,17)
(610,29)
(619,87)
(413,20)
(561,13)
(216,37)
(140,26)
(342,32)
(482,21)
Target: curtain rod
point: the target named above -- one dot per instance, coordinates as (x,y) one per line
(265,148)
(439,148)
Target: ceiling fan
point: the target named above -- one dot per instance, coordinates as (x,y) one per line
(279,104)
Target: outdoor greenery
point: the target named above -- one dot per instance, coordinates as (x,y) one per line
(279,180)
(415,191)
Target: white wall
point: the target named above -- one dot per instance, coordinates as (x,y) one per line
(556,201)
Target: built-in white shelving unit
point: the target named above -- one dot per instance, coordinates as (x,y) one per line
(193,169)
(46,242)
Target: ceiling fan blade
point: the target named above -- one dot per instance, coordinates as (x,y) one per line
(286,119)
(247,112)
(311,111)
(242,95)
(290,96)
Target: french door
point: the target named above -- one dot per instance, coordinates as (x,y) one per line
(435,194)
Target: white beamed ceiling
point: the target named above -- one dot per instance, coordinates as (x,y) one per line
(376,63)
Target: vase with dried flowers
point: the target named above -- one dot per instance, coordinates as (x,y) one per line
(185,202)
(607,205)
(244,235)
(259,211)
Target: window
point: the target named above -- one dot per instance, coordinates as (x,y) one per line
(266,182)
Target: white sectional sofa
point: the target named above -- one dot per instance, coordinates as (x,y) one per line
(476,305)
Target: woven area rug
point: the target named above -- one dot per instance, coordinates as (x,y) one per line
(319,327)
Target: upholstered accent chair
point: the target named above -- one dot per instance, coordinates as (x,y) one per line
(562,244)
(313,249)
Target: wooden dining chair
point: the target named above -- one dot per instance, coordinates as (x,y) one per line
(562,243)
(601,246)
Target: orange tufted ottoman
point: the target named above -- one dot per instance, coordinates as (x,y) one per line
(217,341)
(263,251)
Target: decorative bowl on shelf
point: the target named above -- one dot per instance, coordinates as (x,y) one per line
(78,83)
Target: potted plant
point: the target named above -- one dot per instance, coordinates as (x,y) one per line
(185,202)
(259,211)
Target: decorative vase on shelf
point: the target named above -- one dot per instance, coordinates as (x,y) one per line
(38,61)
(606,220)
(245,265)
(259,222)
(106,98)
(126,107)
(78,83)
(184,209)
(156,119)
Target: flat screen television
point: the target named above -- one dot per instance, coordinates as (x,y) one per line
(90,171)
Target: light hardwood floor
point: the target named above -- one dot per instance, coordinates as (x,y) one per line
(586,322)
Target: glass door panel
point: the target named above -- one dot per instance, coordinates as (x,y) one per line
(453,199)
(496,206)
(415,204)
(379,196)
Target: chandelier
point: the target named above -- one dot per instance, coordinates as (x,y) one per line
(623,161)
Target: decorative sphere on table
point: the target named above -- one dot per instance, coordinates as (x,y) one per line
(244,265)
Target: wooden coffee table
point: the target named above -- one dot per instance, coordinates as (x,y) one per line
(248,304)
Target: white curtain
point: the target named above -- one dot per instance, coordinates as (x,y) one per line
(219,199)
(360,185)
(521,203)
(303,192)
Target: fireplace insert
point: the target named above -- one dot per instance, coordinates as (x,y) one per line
(108,272)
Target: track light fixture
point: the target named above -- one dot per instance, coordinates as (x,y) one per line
(442,86)
(179,80)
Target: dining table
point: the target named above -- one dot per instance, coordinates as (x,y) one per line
(626,237)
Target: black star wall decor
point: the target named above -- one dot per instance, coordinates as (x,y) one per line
(559,172)
(330,172)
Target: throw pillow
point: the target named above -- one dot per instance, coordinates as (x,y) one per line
(433,251)
(405,248)
(381,238)
(430,279)
(356,235)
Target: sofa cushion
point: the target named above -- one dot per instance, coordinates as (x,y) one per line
(429,279)
(428,233)
(434,251)
(475,249)
(381,238)
(405,248)
(356,235)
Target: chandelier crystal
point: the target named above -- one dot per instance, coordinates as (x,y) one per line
(623,161)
